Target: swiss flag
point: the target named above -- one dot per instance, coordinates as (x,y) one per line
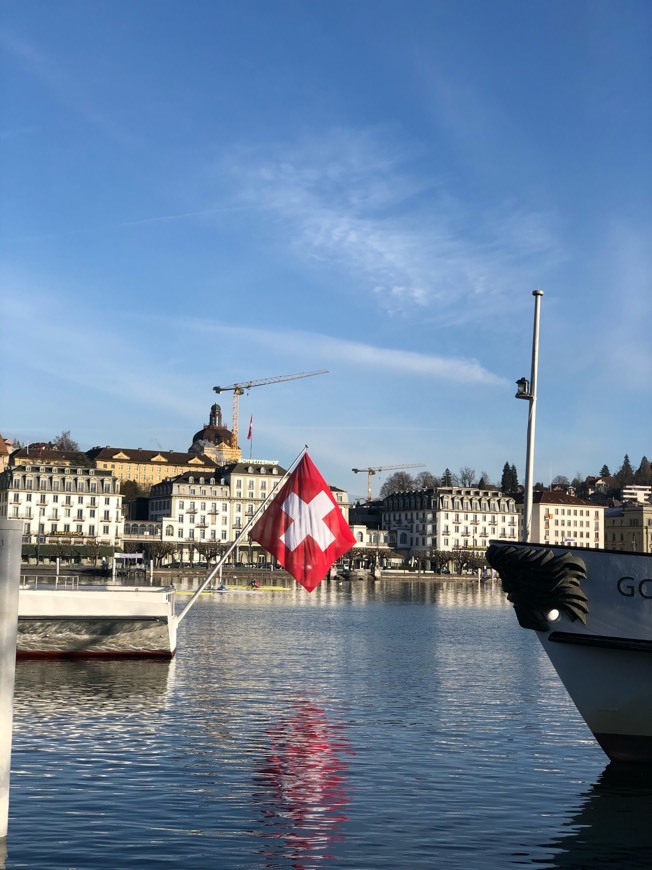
(304,527)
(251,428)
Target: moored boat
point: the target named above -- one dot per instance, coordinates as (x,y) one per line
(96,621)
(592,612)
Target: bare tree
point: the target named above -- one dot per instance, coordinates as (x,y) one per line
(400,481)
(466,476)
(211,550)
(156,551)
(439,559)
(426,480)
(65,442)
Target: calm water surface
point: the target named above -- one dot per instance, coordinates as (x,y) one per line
(396,724)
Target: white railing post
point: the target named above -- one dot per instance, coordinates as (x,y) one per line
(11,532)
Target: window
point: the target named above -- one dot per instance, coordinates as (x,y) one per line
(105,530)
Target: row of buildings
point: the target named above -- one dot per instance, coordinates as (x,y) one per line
(189,507)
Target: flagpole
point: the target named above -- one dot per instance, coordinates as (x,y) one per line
(239,537)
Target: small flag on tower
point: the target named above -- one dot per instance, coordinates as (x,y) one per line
(304,527)
(251,428)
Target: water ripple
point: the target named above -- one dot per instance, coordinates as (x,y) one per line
(403,725)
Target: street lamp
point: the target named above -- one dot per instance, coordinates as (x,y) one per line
(528,390)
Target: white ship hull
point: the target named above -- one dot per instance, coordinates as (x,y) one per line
(100,621)
(594,621)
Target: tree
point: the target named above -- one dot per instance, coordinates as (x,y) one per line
(509,478)
(560,480)
(133,489)
(643,474)
(439,559)
(400,481)
(463,559)
(466,476)
(156,551)
(579,485)
(447,478)
(604,471)
(625,473)
(484,481)
(211,550)
(65,442)
(426,480)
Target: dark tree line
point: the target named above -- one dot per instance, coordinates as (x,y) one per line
(626,475)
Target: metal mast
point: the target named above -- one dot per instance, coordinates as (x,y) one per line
(528,390)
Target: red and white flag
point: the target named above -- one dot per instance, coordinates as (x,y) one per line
(251,428)
(304,527)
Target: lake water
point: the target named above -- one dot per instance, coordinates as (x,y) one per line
(389,725)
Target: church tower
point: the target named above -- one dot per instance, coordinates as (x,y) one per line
(216,441)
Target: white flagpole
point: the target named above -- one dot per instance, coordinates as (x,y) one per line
(218,566)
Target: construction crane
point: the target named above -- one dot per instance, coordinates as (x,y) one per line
(240,389)
(377,468)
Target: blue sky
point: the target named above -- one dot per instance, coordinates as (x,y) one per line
(201,193)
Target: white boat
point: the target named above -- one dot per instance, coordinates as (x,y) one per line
(592,612)
(107,621)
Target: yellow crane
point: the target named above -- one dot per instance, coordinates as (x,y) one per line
(377,468)
(245,386)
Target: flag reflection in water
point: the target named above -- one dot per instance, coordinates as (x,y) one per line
(303,786)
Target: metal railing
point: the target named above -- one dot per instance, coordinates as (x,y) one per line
(64,581)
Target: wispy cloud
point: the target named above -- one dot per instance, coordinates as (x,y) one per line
(352,200)
(69,89)
(317,347)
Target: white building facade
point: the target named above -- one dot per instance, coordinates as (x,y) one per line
(449,518)
(566,520)
(63,506)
